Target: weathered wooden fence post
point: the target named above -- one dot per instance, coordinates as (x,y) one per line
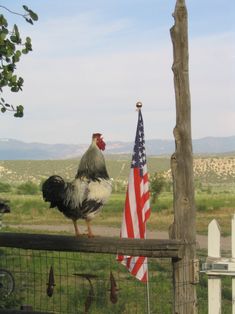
(183,227)
(233,259)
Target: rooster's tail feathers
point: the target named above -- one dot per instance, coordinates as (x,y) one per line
(52,188)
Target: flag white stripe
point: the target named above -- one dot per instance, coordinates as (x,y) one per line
(132,263)
(146,207)
(143,269)
(145,170)
(146,187)
(141,188)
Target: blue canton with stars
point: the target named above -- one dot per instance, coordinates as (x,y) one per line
(139,155)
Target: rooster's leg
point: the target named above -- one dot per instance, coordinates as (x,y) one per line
(77,233)
(90,233)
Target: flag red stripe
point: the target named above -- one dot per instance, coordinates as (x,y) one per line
(147,214)
(144,278)
(139,202)
(145,197)
(138,265)
(128,218)
(145,177)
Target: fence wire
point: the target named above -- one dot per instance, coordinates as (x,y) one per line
(59,282)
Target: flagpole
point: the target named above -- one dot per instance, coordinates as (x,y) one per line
(138,108)
(137,207)
(139,105)
(148,296)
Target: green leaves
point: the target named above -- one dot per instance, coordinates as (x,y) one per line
(12,46)
(3,21)
(28,46)
(15,37)
(31,16)
(16,57)
(19,110)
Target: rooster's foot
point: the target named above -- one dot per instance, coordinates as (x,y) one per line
(90,235)
(89,231)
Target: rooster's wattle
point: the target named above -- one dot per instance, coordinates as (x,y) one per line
(84,197)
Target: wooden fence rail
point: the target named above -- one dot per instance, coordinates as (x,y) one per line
(5,311)
(134,247)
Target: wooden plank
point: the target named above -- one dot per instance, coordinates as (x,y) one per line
(214,283)
(214,239)
(133,247)
(5,311)
(233,257)
(184,226)
(214,295)
(233,236)
(233,295)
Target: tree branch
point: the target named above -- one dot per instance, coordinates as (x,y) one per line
(16,13)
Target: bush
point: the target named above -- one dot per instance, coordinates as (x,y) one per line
(157,183)
(28,188)
(201,207)
(5,187)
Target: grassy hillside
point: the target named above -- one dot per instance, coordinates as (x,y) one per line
(14,171)
(207,170)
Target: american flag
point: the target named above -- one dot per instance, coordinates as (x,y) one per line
(137,205)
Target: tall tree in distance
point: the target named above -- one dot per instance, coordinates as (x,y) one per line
(12,46)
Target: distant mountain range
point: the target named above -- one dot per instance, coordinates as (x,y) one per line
(11,149)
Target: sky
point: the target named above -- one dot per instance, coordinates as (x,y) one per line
(93,60)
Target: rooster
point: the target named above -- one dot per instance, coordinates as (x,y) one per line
(84,197)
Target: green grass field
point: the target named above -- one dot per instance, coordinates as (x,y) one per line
(31,209)
(213,199)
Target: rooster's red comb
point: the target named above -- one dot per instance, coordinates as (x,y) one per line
(95,135)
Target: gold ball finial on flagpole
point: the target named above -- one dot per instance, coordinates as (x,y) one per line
(139,105)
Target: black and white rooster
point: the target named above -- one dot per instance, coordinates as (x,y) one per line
(84,197)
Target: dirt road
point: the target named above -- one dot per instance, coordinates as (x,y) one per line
(114,232)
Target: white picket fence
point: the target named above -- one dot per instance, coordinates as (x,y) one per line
(217,266)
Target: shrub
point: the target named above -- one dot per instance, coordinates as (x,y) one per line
(28,188)
(201,207)
(157,183)
(5,187)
